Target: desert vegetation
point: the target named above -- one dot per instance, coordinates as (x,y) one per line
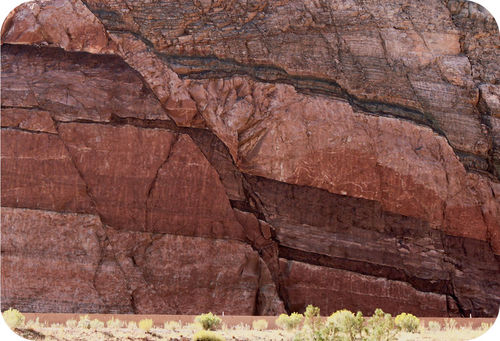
(342,325)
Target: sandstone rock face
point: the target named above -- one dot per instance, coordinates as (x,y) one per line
(55,262)
(251,158)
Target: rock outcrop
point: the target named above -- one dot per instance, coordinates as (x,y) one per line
(251,157)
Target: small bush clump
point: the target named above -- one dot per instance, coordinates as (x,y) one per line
(346,324)
(311,316)
(96,324)
(115,323)
(381,327)
(14,318)
(259,324)
(407,322)
(172,325)
(434,326)
(206,335)
(132,325)
(84,322)
(35,324)
(71,323)
(208,321)
(289,322)
(485,326)
(450,324)
(146,324)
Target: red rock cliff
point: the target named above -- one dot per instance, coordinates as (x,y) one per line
(251,157)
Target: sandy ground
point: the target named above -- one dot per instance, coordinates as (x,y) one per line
(230,321)
(52,327)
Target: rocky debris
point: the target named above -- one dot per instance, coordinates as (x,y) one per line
(249,158)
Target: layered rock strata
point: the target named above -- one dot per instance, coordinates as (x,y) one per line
(251,158)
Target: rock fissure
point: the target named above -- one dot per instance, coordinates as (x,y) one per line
(367,268)
(153,182)
(28,130)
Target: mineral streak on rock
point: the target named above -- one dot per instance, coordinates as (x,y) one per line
(251,157)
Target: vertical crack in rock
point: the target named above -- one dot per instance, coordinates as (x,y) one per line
(102,241)
(153,183)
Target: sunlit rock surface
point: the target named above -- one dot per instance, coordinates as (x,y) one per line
(251,157)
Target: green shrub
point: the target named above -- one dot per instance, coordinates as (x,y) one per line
(208,321)
(289,322)
(13,318)
(346,323)
(311,315)
(434,326)
(115,323)
(71,323)
(407,322)
(205,335)
(342,325)
(485,326)
(313,325)
(259,324)
(146,324)
(381,327)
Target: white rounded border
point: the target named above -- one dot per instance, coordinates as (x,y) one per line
(493,6)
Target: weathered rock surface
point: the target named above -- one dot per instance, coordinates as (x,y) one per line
(55,262)
(251,157)
(71,262)
(37,172)
(310,283)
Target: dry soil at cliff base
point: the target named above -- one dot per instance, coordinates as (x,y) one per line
(250,157)
(230,321)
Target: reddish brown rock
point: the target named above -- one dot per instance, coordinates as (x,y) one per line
(165,83)
(38,172)
(26,119)
(259,234)
(188,198)
(215,151)
(273,131)
(63,89)
(332,289)
(65,23)
(367,62)
(54,262)
(62,262)
(119,165)
(166,270)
